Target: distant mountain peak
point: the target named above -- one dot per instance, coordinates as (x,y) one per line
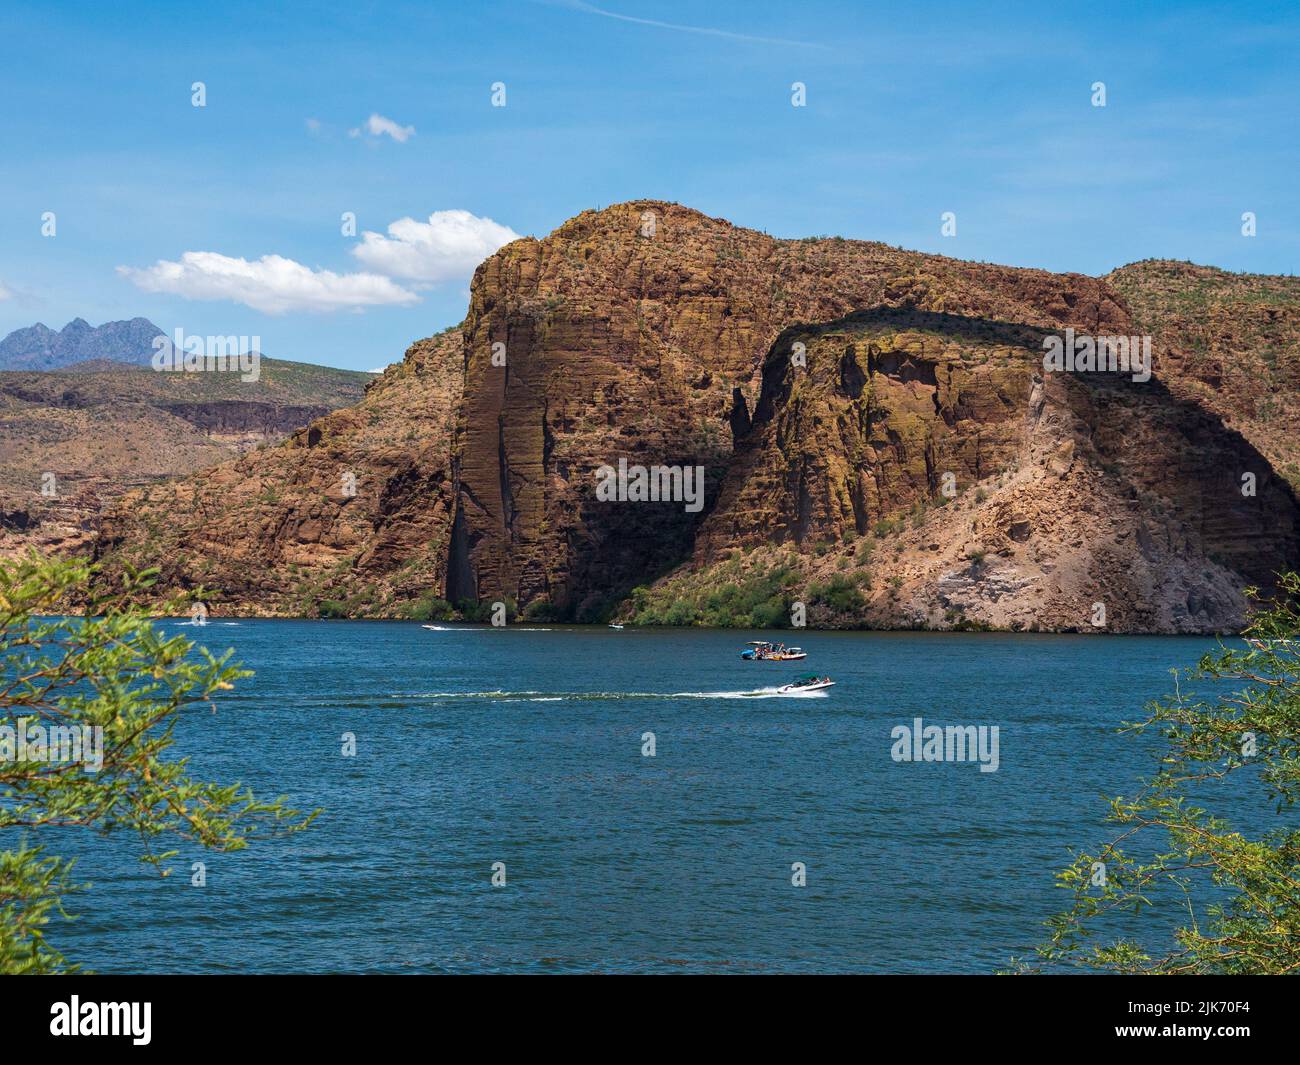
(39,347)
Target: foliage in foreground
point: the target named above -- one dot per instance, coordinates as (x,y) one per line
(111,671)
(1214,899)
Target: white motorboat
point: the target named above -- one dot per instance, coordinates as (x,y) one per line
(806,684)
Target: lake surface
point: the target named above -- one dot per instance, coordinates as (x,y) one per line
(524,746)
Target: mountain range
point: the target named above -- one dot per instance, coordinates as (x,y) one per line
(39,347)
(880,439)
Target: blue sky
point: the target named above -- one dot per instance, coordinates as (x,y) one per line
(912,110)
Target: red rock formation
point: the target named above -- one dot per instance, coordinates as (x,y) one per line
(630,340)
(652,333)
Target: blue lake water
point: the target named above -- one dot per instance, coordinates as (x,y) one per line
(524,746)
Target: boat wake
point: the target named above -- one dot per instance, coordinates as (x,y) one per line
(580,697)
(482,628)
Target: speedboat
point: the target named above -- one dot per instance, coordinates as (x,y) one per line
(616,628)
(806,684)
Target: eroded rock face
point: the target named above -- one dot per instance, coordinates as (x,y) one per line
(650,333)
(874,413)
(637,333)
(1078,500)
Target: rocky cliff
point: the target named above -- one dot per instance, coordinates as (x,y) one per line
(637,332)
(1027,500)
(913,465)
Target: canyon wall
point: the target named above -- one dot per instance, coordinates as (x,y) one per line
(915,444)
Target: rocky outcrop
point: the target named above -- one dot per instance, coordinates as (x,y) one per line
(353,509)
(637,333)
(875,413)
(856,409)
(1031,500)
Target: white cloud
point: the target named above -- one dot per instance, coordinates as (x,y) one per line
(5,294)
(313,125)
(377,125)
(445,248)
(272,284)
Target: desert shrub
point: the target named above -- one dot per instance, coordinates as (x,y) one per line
(888,527)
(839,594)
(427,608)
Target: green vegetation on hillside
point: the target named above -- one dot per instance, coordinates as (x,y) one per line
(728,596)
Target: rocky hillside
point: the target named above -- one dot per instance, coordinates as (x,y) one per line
(913,466)
(1230,342)
(351,514)
(73,440)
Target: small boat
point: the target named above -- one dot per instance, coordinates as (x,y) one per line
(616,628)
(766,651)
(806,684)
